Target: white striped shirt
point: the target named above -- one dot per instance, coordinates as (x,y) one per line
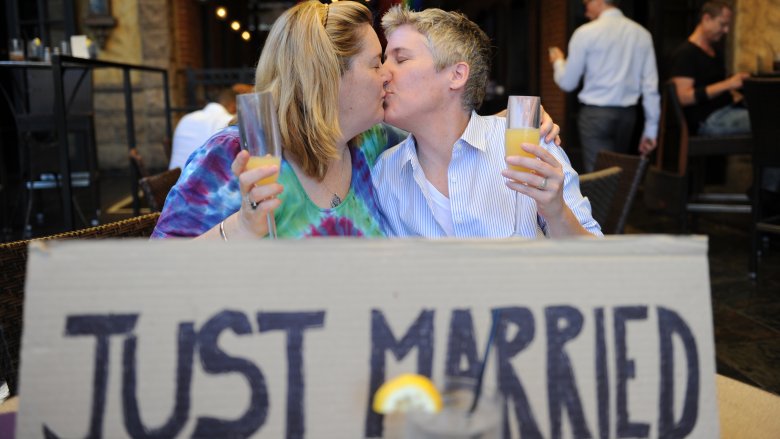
(617,58)
(480,202)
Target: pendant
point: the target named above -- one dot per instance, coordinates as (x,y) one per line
(335,201)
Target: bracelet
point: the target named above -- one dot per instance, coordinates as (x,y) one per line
(222,231)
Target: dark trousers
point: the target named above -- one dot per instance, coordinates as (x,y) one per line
(607,128)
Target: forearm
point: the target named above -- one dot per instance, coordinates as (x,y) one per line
(565,225)
(717,89)
(565,75)
(693,95)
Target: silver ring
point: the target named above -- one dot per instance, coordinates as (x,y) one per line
(251,203)
(543,185)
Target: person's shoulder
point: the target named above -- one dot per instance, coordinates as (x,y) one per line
(395,156)
(225,144)
(684,49)
(394,151)
(489,124)
(637,27)
(586,29)
(191,117)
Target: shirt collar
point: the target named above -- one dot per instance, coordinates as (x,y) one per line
(612,12)
(473,135)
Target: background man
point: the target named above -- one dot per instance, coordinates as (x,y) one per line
(195,128)
(616,57)
(449,177)
(699,74)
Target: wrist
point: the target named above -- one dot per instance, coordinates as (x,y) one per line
(238,226)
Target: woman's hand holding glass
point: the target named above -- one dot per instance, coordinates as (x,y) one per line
(253,220)
(549,130)
(532,170)
(261,139)
(542,180)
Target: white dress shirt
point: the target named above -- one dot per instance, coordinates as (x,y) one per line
(480,204)
(194,129)
(617,58)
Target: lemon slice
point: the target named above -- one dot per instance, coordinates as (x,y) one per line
(407,392)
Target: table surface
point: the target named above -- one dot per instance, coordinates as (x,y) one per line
(745,411)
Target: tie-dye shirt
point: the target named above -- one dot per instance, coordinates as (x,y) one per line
(207,192)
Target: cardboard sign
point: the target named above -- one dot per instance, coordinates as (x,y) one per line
(596,338)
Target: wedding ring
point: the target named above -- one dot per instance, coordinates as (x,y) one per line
(543,185)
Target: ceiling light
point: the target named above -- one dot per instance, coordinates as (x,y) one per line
(235,26)
(246,35)
(221,12)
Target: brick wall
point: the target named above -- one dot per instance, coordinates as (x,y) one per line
(553,16)
(187,35)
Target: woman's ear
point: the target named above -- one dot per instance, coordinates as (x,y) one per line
(459,75)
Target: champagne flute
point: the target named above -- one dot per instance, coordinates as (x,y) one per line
(522,126)
(258,124)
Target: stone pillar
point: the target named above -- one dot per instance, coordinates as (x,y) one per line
(142,36)
(756,35)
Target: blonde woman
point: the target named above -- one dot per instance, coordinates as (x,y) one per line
(323,64)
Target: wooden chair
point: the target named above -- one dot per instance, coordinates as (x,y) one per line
(13,259)
(156,187)
(600,188)
(634,168)
(763,95)
(675,184)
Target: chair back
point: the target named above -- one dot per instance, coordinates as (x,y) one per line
(634,168)
(675,185)
(762,96)
(672,150)
(13,259)
(600,188)
(137,162)
(156,187)
(763,100)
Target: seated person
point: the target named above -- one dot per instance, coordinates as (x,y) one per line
(195,128)
(699,74)
(446,179)
(713,105)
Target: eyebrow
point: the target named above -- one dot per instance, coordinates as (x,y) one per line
(397,50)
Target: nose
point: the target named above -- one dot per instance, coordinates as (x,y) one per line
(385,74)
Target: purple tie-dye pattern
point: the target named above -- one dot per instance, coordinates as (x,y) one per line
(335,226)
(207,192)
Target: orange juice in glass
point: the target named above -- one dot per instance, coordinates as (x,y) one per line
(264,161)
(515,137)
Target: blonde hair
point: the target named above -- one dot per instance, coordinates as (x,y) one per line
(451,37)
(307,51)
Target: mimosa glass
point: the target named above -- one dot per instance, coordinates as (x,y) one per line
(522,126)
(259,127)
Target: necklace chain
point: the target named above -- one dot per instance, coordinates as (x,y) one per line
(336,199)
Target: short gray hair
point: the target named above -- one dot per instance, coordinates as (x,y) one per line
(451,38)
